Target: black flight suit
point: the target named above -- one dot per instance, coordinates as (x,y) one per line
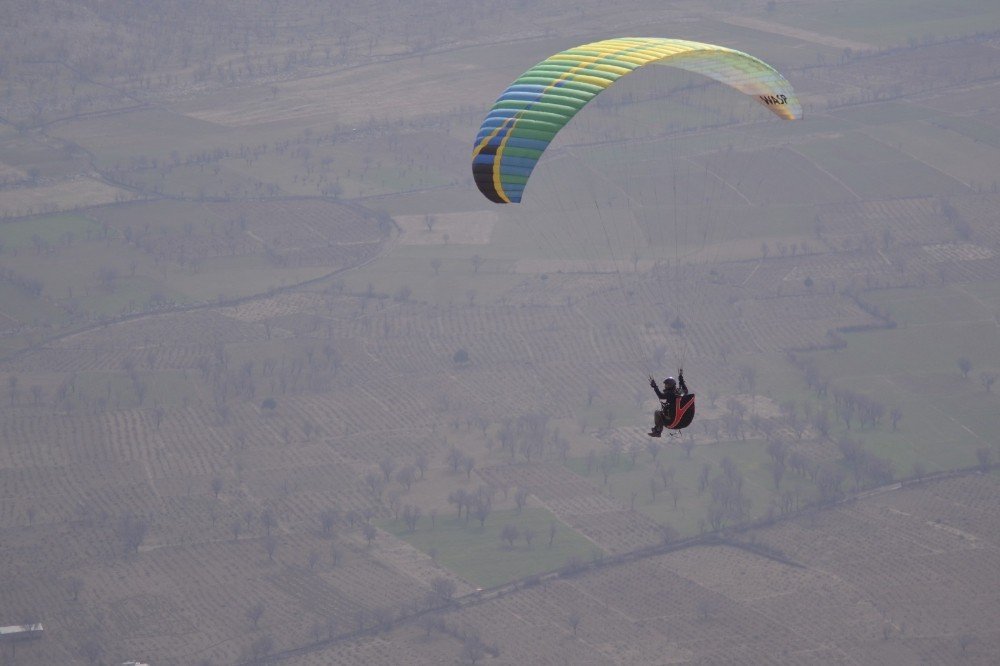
(668,402)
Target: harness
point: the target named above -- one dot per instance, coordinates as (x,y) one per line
(683,412)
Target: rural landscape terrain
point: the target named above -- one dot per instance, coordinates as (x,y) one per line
(279,385)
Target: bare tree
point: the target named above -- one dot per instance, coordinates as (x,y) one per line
(822,423)
(406,476)
(268,520)
(988,379)
(133,530)
(422,462)
(481,507)
(460,498)
(653,448)
(75,586)
(327,519)
(528,535)
(964,366)
(984,456)
(255,612)
(387,465)
(395,503)
(607,466)
(216,486)
(331,628)
(442,590)
(675,493)
(574,620)
(411,514)
(454,459)
(509,533)
(520,498)
(667,533)
(633,453)
(370,533)
(472,650)
(895,414)
(375,484)
(270,545)
(777,473)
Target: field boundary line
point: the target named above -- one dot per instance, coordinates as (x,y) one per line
(270,293)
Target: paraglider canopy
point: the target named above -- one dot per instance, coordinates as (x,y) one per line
(530,112)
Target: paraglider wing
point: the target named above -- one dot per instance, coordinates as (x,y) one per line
(527,116)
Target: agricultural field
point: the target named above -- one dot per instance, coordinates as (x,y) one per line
(278,385)
(839,596)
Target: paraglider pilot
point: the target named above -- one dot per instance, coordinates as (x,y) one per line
(672,389)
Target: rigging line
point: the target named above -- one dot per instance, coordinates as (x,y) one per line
(549,230)
(635,343)
(677,259)
(637,349)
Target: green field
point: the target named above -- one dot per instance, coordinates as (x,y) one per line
(478,554)
(53,230)
(915,366)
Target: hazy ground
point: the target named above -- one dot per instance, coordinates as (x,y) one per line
(279,384)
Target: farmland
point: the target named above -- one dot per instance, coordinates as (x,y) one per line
(278,384)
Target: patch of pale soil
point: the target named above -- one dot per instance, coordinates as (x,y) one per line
(268,308)
(10,174)
(972,538)
(957,252)
(469,228)
(66,195)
